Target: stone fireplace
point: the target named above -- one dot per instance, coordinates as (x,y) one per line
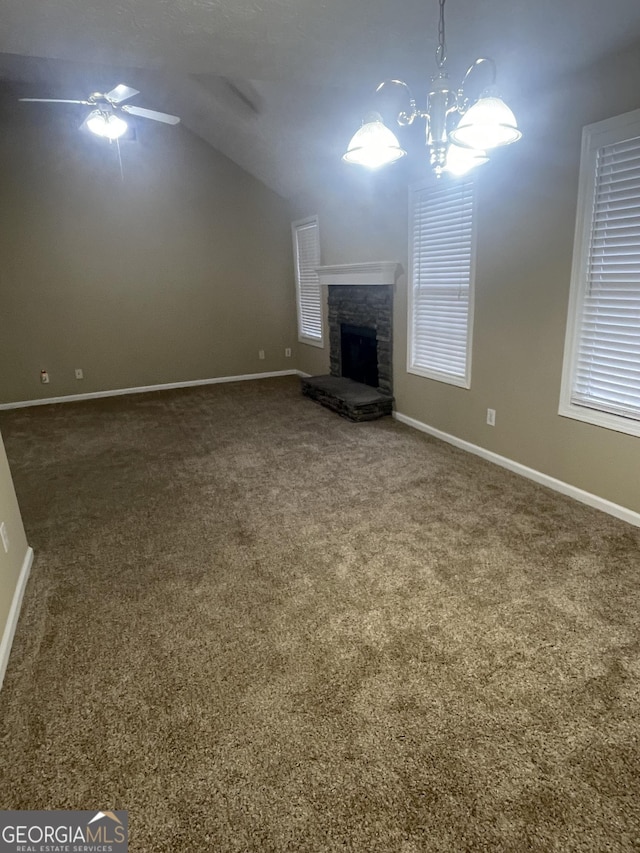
(368,308)
(360,300)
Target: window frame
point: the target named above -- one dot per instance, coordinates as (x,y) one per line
(302,337)
(428,373)
(594,137)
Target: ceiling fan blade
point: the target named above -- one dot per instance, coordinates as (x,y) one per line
(121,93)
(152,114)
(54,101)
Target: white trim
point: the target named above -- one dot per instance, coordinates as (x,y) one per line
(594,137)
(311,342)
(458,381)
(598,418)
(142,389)
(14,613)
(378,272)
(588,498)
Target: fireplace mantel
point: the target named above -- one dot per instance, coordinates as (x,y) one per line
(379,272)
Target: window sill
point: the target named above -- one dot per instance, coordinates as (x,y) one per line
(460,382)
(312,342)
(629,426)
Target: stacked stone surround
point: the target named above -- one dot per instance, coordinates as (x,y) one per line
(363,305)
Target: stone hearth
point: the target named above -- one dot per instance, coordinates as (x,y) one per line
(352,400)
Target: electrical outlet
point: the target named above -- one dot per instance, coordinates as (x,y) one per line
(287,352)
(261,354)
(79,373)
(5,537)
(491,417)
(44,377)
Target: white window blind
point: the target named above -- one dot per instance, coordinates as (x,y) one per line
(441,293)
(306,251)
(602,366)
(608,364)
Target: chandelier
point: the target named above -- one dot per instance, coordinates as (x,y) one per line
(459,131)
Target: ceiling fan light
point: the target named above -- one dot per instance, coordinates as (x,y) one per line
(107,125)
(461,160)
(489,123)
(373,145)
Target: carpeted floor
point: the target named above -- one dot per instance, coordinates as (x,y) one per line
(259,627)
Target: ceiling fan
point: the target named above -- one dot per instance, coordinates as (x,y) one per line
(104,119)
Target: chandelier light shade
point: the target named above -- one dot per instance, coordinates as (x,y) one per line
(489,123)
(459,130)
(373,145)
(106,124)
(463,160)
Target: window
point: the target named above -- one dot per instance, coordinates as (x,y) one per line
(306,254)
(441,291)
(601,375)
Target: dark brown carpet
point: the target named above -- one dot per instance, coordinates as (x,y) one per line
(259,627)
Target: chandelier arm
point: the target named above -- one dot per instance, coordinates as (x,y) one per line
(462,100)
(405,117)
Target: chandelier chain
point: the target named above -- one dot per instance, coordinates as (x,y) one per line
(441,52)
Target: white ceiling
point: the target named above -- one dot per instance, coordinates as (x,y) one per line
(310,66)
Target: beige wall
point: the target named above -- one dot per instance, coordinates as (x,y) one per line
(526,215)
(11,562)
(182,271)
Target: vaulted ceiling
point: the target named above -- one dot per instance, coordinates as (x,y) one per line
(279,86)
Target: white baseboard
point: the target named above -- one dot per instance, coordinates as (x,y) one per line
(14,613)
(530,473)
(142,389)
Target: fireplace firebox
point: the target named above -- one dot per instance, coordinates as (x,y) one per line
(359,354)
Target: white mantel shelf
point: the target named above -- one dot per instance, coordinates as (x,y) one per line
(380,272)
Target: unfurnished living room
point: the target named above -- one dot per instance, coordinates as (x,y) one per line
(320,415)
